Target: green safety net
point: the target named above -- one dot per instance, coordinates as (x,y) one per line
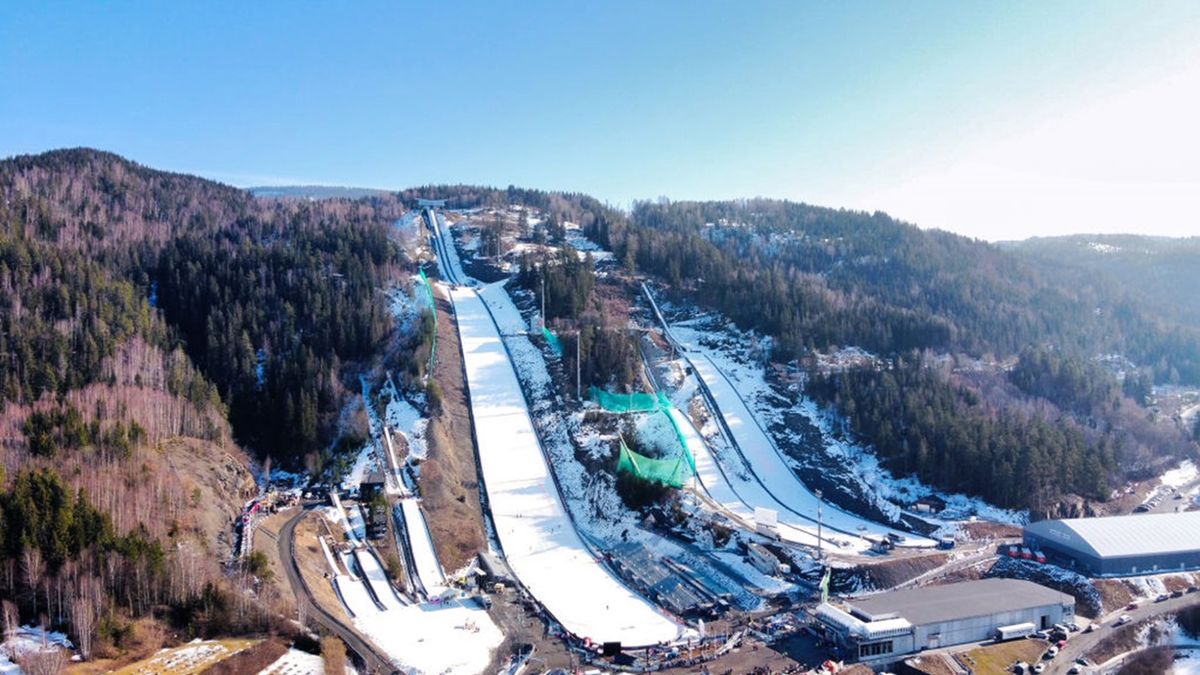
(553,340)
(672,472)
(433,310)
(623,403)
(642,402)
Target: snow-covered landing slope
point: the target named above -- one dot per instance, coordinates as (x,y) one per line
(428,570)
(769,466)
(376,577)
(539,540)
(740,501)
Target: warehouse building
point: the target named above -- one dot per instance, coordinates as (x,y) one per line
(1120,545)
(885,627)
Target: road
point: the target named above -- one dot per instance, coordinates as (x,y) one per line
(1081,643)
(376,661)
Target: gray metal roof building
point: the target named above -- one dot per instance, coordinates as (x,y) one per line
(1120,545)
(882,628)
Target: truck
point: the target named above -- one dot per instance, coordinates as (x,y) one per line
(1016,630)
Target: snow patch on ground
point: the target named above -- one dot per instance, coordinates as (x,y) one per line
(1185,473)
(406,420)
(455,636)
(27,640)
(296,662)
(731,351)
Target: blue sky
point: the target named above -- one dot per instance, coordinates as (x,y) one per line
(996,120)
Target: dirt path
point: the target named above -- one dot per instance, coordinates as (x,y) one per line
(449,482)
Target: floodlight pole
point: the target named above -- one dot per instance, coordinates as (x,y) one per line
(820,553)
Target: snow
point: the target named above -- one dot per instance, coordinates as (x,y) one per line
(448,262)
(407,421)
(860,472)
(770,468)
(456,636)
(749,494)
(364,463)
(428,570)
(377,578)
(539,539)
(358,525)
(296,662)
(28,639)
(1178,477)
(354,596)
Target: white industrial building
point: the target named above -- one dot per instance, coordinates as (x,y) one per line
(885,627)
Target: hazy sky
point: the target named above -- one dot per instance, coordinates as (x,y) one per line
(994,119)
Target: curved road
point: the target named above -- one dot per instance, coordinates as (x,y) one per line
(1082,643)
(376,661)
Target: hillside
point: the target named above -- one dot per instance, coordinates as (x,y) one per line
(161,330)
(1165,272)
(990,362)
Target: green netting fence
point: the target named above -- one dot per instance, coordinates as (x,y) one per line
(640,465)
(672,472)
(432,309)
(634,402)
(553,340)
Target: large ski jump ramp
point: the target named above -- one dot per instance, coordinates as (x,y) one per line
(539,540)
(776,477)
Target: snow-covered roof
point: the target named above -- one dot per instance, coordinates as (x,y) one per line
(1121,536)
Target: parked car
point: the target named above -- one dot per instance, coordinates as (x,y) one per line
(1124,619)
(1039,668)
(1177,594)
(1091,627)
(1132,605)
(1162,597)
(1082,661)
(1050,653)
(1193,589)
(1075,670)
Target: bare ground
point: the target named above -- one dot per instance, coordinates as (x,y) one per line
(314,567)
(449,482)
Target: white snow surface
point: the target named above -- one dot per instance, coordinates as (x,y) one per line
(27,639)
(875,484)
(296,662)
(452,269)
(428,570)
(741,501)
(404,418)
(538,537)
(375,576)
(449,637)
(774,473)
(355,596)
(1185,473)
(364,463)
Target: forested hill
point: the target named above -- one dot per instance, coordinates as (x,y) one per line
(267,298)
(817,277)
(1164,271)
(154,326)
(951,316)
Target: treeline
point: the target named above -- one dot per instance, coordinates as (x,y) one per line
(268,299)
(270,320)
(61,315)
(944,434)
(63,562)
(814,278)
(1073,384)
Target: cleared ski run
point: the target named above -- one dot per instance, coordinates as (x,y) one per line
(539,540)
